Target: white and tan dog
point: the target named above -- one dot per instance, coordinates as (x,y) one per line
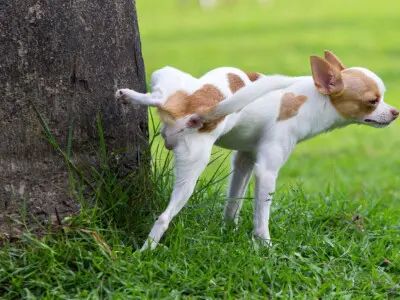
(261,117)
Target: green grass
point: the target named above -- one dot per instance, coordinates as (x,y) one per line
(336,213)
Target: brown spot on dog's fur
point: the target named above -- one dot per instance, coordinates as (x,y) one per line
(235,82)
(181,104)
(290,105)
(253,76)
(353,102)
(172,107)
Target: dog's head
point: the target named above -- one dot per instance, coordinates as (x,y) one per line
(174,130)
(356,93)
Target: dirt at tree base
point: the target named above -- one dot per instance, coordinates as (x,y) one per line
(37,211)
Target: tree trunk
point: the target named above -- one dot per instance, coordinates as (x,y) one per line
(66,58)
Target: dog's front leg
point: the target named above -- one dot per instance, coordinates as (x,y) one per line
(189,164)
(271,158)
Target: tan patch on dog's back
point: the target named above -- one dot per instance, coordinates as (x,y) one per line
(235,82)
(181,104)
(352,102)
(253,76)
(172,108)
(290,105)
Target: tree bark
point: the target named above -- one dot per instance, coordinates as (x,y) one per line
(66,58)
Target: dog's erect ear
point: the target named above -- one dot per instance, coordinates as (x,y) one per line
(327,78)
(194,122)
(334,60)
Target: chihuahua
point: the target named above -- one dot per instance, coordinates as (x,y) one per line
(261,118)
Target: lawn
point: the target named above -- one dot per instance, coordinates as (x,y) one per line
(335,222)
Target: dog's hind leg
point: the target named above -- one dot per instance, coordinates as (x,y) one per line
(189,164)
(271,157)
(164,82)
(242,167)
(130,96)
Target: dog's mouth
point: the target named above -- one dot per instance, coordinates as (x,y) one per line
(376,123)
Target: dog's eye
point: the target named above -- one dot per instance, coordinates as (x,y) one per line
(374,102)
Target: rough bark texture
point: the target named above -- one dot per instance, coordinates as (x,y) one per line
(67,58)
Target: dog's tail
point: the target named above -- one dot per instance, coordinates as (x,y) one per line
(247,95)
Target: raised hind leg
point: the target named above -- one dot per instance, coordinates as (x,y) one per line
(128,96)
(163,83)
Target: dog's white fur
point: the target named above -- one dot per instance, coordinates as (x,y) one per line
(261,142)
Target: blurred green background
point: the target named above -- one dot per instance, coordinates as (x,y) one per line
(279,37)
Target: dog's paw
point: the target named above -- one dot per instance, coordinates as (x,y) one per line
(122,96)
(150,244)
(266,243)
(231,224)
(264,240)
(153,246)
(261,243)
